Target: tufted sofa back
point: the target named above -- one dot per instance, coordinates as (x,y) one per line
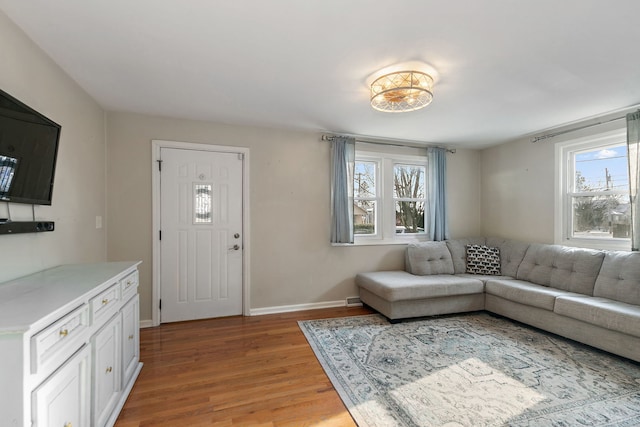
(511,254)
(458,251)
(427,258)
(609,274)
(561,267)
(619,277)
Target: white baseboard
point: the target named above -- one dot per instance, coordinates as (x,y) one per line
(146,324)
(284,309)
(296,307)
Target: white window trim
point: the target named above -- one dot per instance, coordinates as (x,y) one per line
(385,208)
(562,221)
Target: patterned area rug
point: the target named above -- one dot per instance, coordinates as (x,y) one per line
(471,370)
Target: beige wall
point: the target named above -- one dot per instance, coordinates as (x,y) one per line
(292,261)
(519,182)
(79,187)
(464,193)
(518,191)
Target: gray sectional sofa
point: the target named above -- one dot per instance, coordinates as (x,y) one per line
(587,295)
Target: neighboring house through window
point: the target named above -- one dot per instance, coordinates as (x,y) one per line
(390,197)
(593,202)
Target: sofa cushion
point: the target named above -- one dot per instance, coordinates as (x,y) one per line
(511,254)
(561,267)
(428,258)
(400,285)
(602,312)
(524,292)
(458,250)
(619,277)
(483,259)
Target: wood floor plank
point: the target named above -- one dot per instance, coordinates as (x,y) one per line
(234,371)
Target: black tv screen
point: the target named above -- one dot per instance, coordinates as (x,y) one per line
(28,151)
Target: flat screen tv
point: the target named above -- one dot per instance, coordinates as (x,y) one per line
(28,151)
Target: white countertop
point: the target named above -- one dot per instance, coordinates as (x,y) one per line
(26,300)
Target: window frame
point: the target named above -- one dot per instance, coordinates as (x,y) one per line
(565,191)
(385,201)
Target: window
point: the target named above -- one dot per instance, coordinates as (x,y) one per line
(390,197)
(409,197)
(366,197)
(595,192)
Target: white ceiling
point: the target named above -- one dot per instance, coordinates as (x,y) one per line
(505,68)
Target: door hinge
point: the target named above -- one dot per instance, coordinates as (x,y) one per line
(159,165)
(160,304)
(160,234)
(240,156)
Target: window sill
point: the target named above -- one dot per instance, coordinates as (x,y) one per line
(383,242)
(598,244)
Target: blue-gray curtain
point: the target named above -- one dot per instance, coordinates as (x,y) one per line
(633,146)
(438,226)
(343,153)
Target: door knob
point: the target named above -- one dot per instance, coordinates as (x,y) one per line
(234,248)
(237,236)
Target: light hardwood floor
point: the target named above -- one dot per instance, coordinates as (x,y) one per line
(234,371)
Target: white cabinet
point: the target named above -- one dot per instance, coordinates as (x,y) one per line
(106,370)
(69,340)
(130,338)
(62,400)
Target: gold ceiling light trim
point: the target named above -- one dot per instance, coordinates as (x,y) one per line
(402,91)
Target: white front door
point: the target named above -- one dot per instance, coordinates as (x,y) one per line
(201,234)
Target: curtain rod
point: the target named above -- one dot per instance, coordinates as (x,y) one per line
(392,144)
(562,132)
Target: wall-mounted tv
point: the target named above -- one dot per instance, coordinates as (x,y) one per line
(28,151)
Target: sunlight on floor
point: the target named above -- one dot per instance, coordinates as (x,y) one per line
(469,393)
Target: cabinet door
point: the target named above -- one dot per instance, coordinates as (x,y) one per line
(62,400)
(130,338)
(106,370)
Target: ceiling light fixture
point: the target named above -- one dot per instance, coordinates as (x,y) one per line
(402,91)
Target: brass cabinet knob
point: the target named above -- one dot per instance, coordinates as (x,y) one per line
(109,369)
(64,332)
(105,301)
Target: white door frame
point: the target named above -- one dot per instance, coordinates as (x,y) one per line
(156,146)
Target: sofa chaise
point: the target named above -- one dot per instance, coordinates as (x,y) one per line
(586,295)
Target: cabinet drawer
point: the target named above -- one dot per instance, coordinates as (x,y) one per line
(129,286)
(53,345)
(105,304)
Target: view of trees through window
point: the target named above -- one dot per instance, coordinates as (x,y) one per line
(410,196)
(365,195)
(600,198)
